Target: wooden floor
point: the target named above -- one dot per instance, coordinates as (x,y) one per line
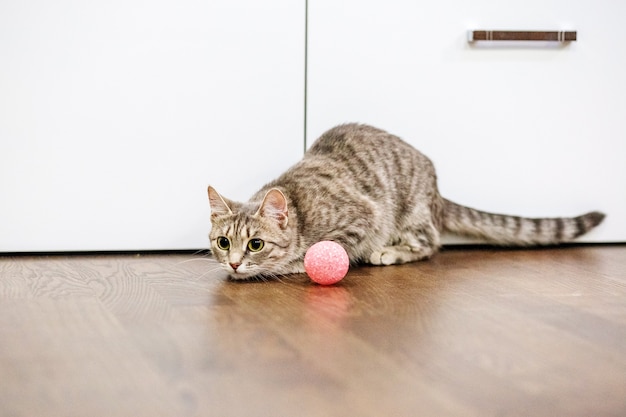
(470,333)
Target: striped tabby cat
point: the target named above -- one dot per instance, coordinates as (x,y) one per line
(369,191)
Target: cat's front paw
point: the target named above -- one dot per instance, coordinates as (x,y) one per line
(383,257)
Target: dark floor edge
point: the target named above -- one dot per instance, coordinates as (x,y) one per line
(109,253)
(205,251)
(485,246)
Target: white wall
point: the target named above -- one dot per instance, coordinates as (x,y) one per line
(115,116)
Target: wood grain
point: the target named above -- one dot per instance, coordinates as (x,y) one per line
(470,333)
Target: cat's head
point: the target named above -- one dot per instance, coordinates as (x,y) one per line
(250,239)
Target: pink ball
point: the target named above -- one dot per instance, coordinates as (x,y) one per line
(326,262)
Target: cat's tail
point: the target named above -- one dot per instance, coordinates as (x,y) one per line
(516,231)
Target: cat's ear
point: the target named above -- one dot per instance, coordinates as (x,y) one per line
(219,207)
(274,206)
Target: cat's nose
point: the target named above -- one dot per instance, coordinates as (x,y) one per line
(235,266)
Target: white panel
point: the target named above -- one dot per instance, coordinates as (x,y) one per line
(116,115)
(529,129)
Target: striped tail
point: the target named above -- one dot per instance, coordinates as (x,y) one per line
(516,231)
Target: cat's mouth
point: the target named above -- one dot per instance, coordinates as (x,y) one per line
(236,276)
(240,272)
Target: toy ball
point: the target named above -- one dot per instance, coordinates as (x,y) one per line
(326,262)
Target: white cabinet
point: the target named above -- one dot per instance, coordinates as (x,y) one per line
(115,116)
(522,128)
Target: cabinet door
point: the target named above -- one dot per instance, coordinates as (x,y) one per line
(535,129)
(115,116)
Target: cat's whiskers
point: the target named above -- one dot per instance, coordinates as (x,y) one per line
(282,278)
(203,255)
(217,267)
(195,260)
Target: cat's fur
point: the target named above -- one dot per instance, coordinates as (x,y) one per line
(375,195)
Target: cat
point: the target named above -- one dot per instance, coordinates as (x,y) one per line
(371,192)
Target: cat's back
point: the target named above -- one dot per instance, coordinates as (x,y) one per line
(356,159)
(354,138)
(362,144)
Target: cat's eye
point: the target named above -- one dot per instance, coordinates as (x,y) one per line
(223,243)
(255,245)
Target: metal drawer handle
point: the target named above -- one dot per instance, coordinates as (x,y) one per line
(512,35)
